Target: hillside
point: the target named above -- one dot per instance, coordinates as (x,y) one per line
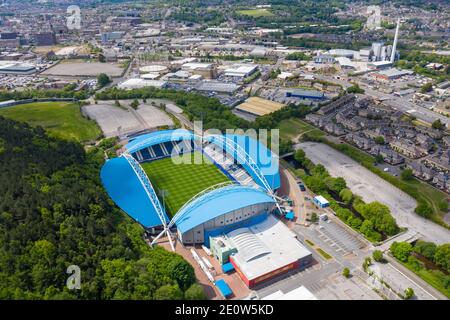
(54,213)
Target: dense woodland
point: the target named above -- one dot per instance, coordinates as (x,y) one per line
(55,213)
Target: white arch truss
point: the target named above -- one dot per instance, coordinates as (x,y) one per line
(245,158)
(231,146)
(151,194)
(194,200)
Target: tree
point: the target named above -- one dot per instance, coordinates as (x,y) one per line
(346,195)
(355,222)
(69,219)
(401,250)
(437,124)
(346,272)
(426,249)
(335,184)
(379,158)
(424,210)
(442,257)
(355,89)
(314,217)
(378,256)
(168,292)
(407,174)
(427,87)
(366,263)
(195,292)
(299,155)
(182,272)
(103,80)
(409,293)
(134,104)
(379,140)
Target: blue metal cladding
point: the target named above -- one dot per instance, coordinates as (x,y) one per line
(267,162)
(217,203)
(125,189)
(158,137)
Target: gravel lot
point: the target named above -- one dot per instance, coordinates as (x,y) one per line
(153,116)
(372,188)
(86,69)
(110,118)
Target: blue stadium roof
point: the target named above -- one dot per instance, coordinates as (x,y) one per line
(267,162)
(263,157)
(218,202)
(124,187)
(158,137)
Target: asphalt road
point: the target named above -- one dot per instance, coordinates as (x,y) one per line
(372,188)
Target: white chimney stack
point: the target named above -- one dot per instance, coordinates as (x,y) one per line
(394,47)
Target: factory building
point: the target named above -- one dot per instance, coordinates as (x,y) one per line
(137,83)
(206,70)
(15,67)
(241,71)
(217,87)
(305,94)
(391,74)
(45,39)
(324,59)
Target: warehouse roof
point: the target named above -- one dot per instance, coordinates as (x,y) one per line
(306,93)
(281,248)
(393,72)
(259,106)
(135,83)
(217,86)
(241,69)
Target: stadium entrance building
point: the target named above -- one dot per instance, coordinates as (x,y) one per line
(261,251)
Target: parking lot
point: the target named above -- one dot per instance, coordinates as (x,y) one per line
(373,188)
(84,69)
(338,238)
(325,282)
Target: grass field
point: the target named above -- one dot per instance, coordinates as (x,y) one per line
(181,181)
(256,13)
(292,128)
(60,119)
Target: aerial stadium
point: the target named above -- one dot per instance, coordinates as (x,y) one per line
(202,188)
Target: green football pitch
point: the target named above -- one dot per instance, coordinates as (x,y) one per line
(181,182)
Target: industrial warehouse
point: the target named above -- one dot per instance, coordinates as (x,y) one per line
(227,203)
